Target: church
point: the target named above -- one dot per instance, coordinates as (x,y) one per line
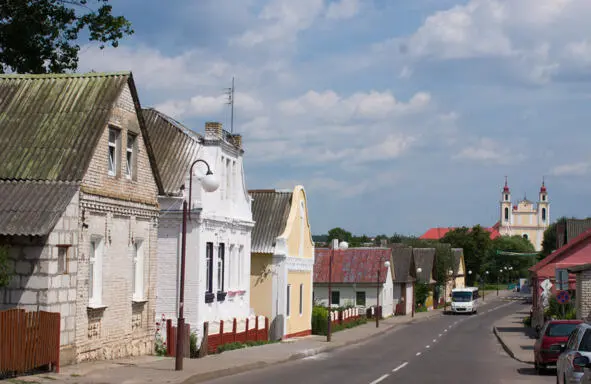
(527,219)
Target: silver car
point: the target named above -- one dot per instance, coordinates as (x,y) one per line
(570,365)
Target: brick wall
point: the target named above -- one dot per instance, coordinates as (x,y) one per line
(583,297)
(97,181)
(169,232)
(37,284)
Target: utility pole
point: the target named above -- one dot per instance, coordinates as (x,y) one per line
(230,92)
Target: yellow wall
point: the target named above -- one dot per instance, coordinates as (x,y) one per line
(296,322)
(293,229)
(261,284)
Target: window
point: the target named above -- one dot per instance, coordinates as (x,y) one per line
(95,272)
(288,300)
(301,299)
(585,345)
(113,151)
(221,266)
(506,214)
(543,197)
(231,263)
(62,259)
(209,267)
(543,214)
(130,156)
(228,175)
(138,271)
(506,197)
(335,298)
(525,236)
(360,298)
(240,267)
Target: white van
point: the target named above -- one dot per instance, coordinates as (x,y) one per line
(465,300)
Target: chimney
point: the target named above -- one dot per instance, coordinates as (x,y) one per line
(213,130)
(237,141)
(384,242)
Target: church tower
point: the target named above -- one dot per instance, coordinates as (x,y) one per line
(506,209)
(543,207)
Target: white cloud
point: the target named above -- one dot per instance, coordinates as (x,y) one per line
(575,169)
(281,21)
(489,151)
(343,9)
(205,106)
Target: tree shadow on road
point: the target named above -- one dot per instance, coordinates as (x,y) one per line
(531,371)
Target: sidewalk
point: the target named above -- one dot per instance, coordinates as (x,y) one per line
(152,369)
(515,338)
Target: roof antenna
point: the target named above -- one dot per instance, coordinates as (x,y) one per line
(230,93)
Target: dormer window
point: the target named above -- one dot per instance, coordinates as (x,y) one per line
(114,142)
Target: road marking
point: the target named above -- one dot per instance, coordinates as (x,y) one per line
(434,340)
(445,330)
(428,346)
(418,353)
(440,335)
(380,379)
(400,367)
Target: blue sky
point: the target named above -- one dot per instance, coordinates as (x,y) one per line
(396,116)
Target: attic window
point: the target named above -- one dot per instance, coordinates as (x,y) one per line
(114,140)
(130,156)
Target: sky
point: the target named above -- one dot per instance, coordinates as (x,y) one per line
(396,116)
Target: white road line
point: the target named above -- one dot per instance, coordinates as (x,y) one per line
(398,368)
(445,330)
(440,335)
(380,379)
(434,340)
(418,353)
(428,346)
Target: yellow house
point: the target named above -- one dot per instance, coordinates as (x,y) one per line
(282,261)
(459,268)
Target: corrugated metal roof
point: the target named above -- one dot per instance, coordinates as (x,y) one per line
(50,124)
(175,148)
(403,263)
(457,254)
(354,265)
(270,211)
(33,207)
(574,227)
(424,258)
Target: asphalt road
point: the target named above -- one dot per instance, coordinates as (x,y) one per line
(446,349)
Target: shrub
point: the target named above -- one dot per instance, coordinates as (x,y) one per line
(194,350)
(230,347)
(319,320)
(556,310)
(527,321)
(422,292)
(421,308)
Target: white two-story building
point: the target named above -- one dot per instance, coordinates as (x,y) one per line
(219,225)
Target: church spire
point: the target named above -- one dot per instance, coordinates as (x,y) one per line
(506,188)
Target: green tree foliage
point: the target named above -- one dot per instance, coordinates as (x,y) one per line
(6,271)
(550,237)
(398,238)
(520,264)
(41,36)
(475,242)
(339,234)
(421,294)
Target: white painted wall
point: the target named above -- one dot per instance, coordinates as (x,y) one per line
(223,216)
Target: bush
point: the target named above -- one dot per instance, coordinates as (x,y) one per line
(319,320)
(238,345)
(556,310)
(422,292)
(421,308)
(194,350)
(527,321)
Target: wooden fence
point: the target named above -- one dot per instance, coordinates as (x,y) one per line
(345,316)
(28,341)
(171,339)
(400,309)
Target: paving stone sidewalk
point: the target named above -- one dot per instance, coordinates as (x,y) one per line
(517,340)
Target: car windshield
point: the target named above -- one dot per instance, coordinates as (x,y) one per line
(461,297)
(560,330)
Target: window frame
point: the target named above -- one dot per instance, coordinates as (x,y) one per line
(66,266)
(139,257)
(506,214)
(338,302)
(288,301)
(301,299)
(96,259)
(221,266)
(209,267)
(130,156)
(543,213)
(357,298)
(116,145)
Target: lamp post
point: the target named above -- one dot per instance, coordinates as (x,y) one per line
(498,280)
(378,312)
(343,245)
(209,183)
(484,283)
(414,293)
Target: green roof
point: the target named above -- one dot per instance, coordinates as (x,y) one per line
(50,124)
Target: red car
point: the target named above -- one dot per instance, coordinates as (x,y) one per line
(554,332)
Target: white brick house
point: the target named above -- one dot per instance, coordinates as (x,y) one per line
(81,221)
(583,291)
(219,228)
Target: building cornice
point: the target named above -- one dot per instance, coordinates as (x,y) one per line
(299,264)
(127,208)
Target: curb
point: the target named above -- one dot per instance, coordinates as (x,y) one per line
(202,377)
(507,349)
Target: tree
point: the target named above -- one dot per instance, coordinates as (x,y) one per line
(475,242)
(520,264)
(340,234)
(550,238)
(398,238)
(41,36)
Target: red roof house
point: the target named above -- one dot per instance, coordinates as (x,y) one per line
(438,232)
(576,252)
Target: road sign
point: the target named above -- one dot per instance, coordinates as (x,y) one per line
(561,279)
(563,297)
(546,285)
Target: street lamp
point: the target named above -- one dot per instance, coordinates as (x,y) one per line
(378,312)
(414,293)
(484,283)
(343,245)
(498,280)
(209,183)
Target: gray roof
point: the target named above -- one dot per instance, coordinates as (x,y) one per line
(402,262)
(33,207)
(457,254)
(270,211)
(175,148)
(573,228)
(424,258)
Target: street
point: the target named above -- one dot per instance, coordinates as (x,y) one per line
(447,348)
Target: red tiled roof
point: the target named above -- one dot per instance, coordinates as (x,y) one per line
(438,233)
(354,265)
(561,251)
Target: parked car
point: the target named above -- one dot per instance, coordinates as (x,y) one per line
(585,363)
(554,333)
(569,369)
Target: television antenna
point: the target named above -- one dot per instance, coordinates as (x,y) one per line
(230,94)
